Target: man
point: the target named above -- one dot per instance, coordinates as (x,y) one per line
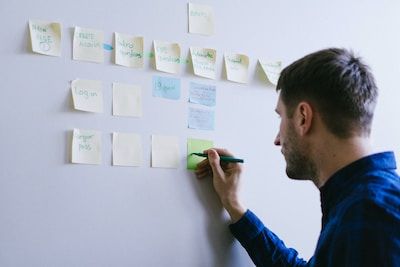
(326,105)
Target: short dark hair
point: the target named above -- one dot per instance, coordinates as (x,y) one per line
(339,85)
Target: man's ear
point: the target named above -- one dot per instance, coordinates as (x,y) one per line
(303,118)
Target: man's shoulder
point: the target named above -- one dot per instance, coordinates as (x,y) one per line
(375,199)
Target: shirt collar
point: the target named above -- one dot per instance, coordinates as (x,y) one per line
(345,177)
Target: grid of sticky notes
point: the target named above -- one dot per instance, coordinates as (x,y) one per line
(166,57)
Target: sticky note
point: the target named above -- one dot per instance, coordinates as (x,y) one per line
(164,151)
(166,87)
(167,56)
(237,66)
(128,50)
(201,119)
(45,37)
(88,45)
(202,94)
(87,95)
(272,70)
(203,60)
(127,100)
(196,146)
(127,149)
(86,146)
(201,19)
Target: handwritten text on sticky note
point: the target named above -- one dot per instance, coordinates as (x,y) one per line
(167,56)
(201,19)
(203,60)
(87,95)
(237,66)
(202,94)
(45,37)
(86,146)
(166,87)
(128,50)
(88,45)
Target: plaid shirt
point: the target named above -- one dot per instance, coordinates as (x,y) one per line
(360,221)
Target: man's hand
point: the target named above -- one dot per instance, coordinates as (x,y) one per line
(226,178)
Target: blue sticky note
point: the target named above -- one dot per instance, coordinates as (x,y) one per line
(202,94)
(201,119)
(166,87)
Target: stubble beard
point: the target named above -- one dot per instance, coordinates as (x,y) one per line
(299,166)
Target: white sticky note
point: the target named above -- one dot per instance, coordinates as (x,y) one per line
(272,70)
(127,100)
(128,50)
(237,67)
(87,95)
(201,19)
(203,60)
(167,56)
(127,149)
(201,119)
(45,37)
(86,146)
(164,151)
(88,45)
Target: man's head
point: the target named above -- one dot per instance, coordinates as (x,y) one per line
(330,84)
(339,86)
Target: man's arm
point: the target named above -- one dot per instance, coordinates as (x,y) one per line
(263,246)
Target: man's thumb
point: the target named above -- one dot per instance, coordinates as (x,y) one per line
(214,160)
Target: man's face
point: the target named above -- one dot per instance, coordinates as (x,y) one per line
(297,163)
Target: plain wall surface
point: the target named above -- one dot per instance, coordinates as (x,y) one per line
(54,213)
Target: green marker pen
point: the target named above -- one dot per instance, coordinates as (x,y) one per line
(223,158)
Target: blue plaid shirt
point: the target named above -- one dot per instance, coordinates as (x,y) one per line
(360,221)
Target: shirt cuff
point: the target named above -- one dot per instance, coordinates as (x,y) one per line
(246,228)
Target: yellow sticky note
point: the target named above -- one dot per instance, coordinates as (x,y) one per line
(87,95)
(237,67)
(196,146)
(86,146)
(272,70)
(88,45)
(128,50)
(164,151)
(127,149)
(127,100)
(201,19)
(203,60)
(45,37)
(167,56)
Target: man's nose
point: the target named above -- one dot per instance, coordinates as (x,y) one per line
(277,141)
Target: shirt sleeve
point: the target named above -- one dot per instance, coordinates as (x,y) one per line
(262,245)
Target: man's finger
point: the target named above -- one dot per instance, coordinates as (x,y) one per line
(202,164)
(220,151)
(203,174)
(214,160)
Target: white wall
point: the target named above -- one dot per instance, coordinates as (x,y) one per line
(53,213)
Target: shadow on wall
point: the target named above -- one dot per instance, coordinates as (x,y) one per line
(220,239)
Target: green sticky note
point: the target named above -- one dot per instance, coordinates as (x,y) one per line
(196,146)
